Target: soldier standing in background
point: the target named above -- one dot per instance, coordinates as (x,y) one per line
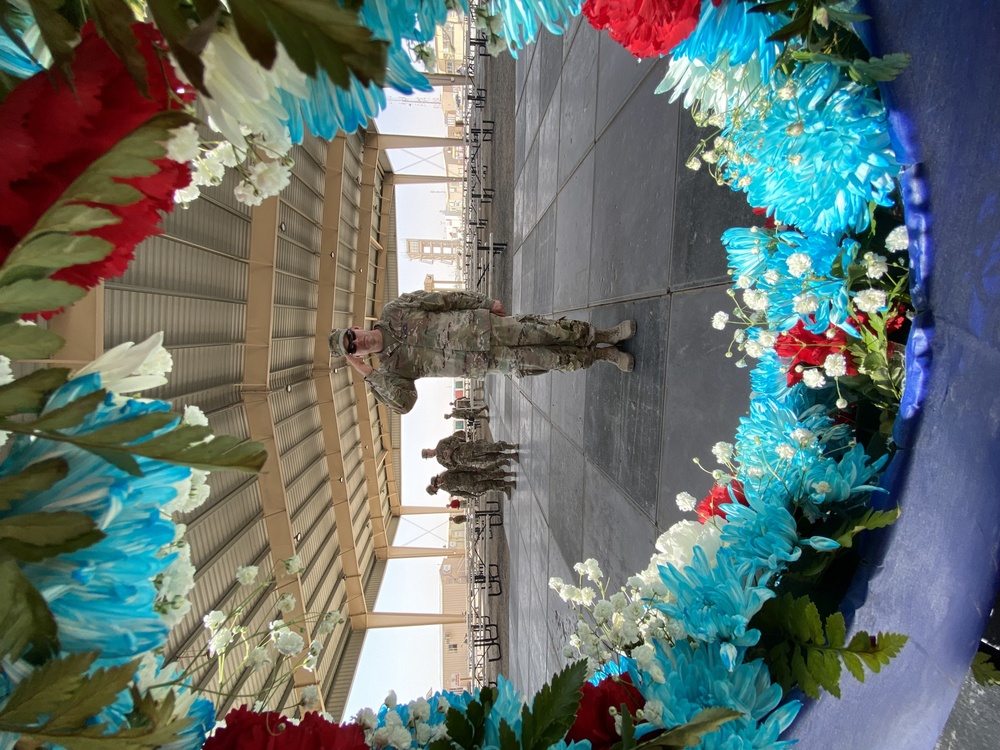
(454,452)
(465,334)
(470,484)
(470,414)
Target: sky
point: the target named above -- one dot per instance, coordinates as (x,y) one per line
(408,660)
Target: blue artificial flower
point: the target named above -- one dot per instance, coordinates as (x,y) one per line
(507,707)
(761,534)
(815,154)
(714,603)
(697,678)
(522,19)
(831,484)
(769,379)
(726,59)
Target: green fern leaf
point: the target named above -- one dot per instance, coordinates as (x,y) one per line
(553,710)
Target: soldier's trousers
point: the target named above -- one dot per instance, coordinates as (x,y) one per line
(532,345)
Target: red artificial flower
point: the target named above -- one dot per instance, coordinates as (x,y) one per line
(806,348)
(248,730)
(593,720)
(646,28)
(720,495)
(769,222)
(53,132)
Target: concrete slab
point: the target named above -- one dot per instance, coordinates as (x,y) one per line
(618,76)
(633,199)
(578,103)
(574,207)
(566,502)
(550,50)
(548,153)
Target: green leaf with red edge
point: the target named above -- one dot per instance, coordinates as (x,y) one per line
(316,34)
(186,42)
(54,243)
(114,19)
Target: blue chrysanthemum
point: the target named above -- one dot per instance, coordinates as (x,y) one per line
(523,19)
(814,153)
(726,59)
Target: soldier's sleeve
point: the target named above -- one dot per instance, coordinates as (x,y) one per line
(442,301)
(399,394)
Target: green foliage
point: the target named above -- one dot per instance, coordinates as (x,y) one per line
(866,72)
(59,35)
(25,619)
(704,722)
(55,703)
(114,19)
(508,738)
(33,478)
(868,521)
(31,537)
(32,295)
(468,730)
(628,729)
(186,33)
(28,342)
(28,394)
(553,709)
(801,649)
(984,671)
(55,241)
(317,34)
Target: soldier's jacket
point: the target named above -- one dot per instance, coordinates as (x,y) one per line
(454,452)
(430,334)
(467,414)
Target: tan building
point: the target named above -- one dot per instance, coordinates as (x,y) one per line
(246,299)
(455,673)
(434,250)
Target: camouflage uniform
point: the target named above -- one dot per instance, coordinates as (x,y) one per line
(468,414)
(453,334)
(455,453)
(472,483)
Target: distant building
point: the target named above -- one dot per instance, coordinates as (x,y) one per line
(434,250)
(455,674)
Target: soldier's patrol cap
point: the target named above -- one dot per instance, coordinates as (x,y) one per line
(337,342)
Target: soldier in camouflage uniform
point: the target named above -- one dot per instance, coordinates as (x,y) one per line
(468,414)
(454,452)
(471,484)
(464,334)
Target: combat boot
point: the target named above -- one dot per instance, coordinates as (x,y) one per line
(621,332)
(622,360)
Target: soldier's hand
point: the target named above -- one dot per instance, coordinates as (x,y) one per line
(497,308)
(359,364)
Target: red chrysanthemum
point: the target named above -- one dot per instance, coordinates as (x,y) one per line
(593,720)
(248,730)
(721,494)
(53,132)
(646,28)
(810,349)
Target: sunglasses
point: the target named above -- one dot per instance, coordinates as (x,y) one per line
(351,336)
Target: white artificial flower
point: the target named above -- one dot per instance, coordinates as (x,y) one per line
(756,300)
(744,282)
(288,642)
(178,578)
(187,194)
(785,452)
(722,451)
(841,403)
(420,710)
(270,177)
(423,733)
(184,144)
(401,738)
(767,339)
(719,320)
(898,240)
(329,621)
(805,304)
(219,640)
(585,596)
(225,154)
(247,194)
(739,335)
(821,488)
(310,661)
(799,264)
(6,374)
(676,544)
(194,417)
(293,565)
(589,568)
(754,349)
(813,378)
(686,501)
(802,436)
(694,164)
(309,697)
(870,300)
(771,276)
(215,620)
(875,266)
(709,156)
(367,719)
(286,603)
(259,658)
(835,365)
(130,367)
(209,169)
(246,575)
